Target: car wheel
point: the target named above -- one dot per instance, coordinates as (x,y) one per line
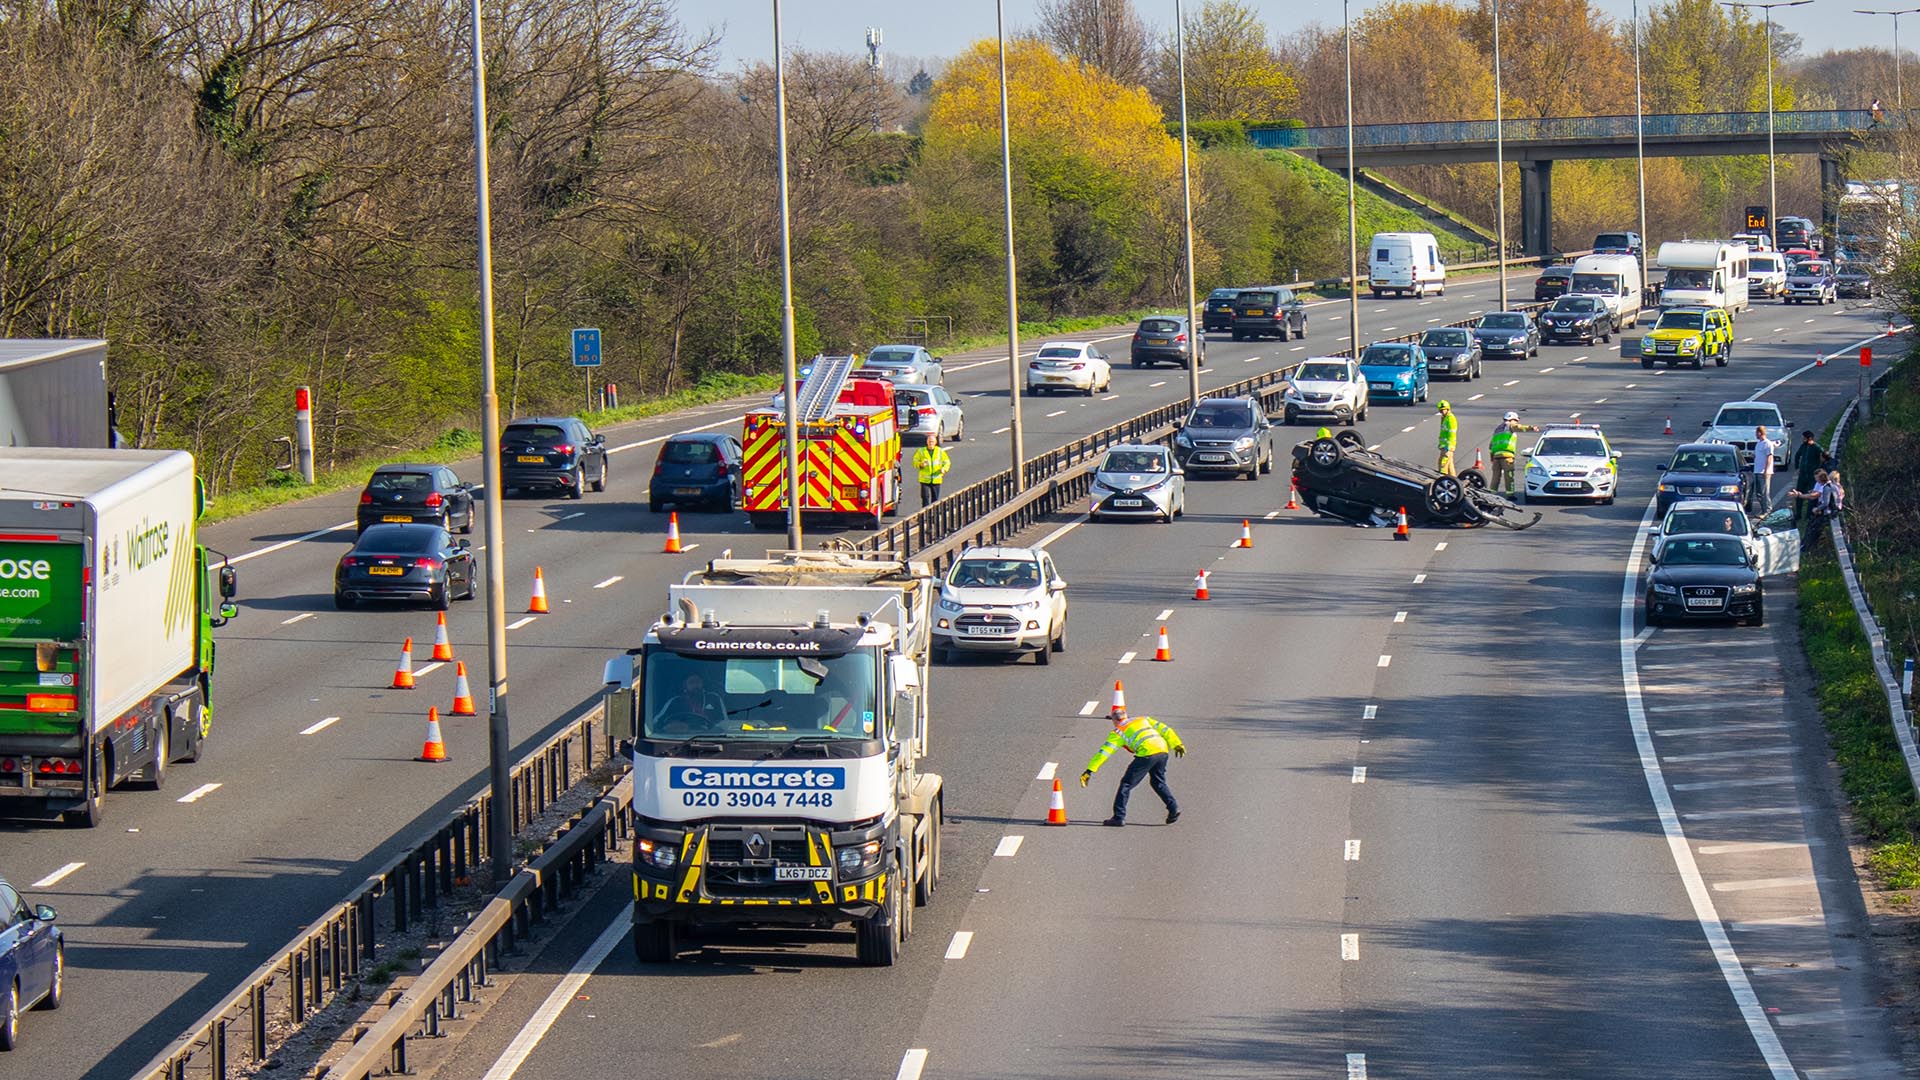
(1137,365)
(1060,639)
(1363,411)
(154,776)
(1445,496)
(1289,418)
(1654,620)
(1725,357)
(441,598)
(57,992)
(1474,478)
(1324,456)
(472,588)
(655,505)
(1759,616)
(10,1017)
(343,602)
(1606,338)
(1044,656)
(1648,364)
(1266,463)
(1238,336)
(1350,440)
(656,942)
(1348,420)
(578,489)
(600,484)
(1699,363)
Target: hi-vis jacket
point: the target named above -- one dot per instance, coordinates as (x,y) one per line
(1449,431)
(932,463)
(1142,736)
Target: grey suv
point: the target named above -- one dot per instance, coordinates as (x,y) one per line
(554,453)
(1230,435)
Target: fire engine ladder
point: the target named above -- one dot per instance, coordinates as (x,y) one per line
(816,397)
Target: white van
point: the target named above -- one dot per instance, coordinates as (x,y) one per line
(1614,279)
(1766,273)
(1704,273)
(1406,264)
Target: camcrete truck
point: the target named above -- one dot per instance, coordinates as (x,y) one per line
(778,719)
(107,607)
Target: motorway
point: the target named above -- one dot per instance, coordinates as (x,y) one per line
(1515,903)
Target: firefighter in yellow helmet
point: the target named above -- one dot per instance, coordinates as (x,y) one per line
(1449,436)
(1323,433)
(1149,741)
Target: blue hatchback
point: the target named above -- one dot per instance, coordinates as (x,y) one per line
(1395,371)
(33,961)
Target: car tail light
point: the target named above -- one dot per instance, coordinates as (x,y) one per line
(563,448)
(1035,365)
(433,498)
(427,564)
(366,498)
(349,561)
(925,411)
(9,765)
(1181,337)
(1136,335)
(1079,367)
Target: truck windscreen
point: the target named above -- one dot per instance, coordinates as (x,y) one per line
(773,699)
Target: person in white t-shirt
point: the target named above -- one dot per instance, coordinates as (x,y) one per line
(1760,486)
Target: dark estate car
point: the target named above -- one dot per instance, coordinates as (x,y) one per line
(1217,311)
(554,453)
(1268,311)
(1162,339)
(1552,281)
(1451,352)
(33,962)
(1579,318)
(1854,279)
(1704,576)
(1341,478)
(405,494)
(1699,471)
(404,562)
(1623,243)
(1230,435)
(696,469)
(1508,333)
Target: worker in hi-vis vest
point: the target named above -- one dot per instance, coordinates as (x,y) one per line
(1449,437)
(931,462)
(1149,741)
(1503,448)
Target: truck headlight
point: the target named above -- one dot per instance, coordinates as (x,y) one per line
(859,857)
(1665,590)
(653,853)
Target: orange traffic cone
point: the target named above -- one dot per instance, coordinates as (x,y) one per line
(442,648)
(1293,495)
(538,605)
(1669,430)
(462,692)
(1400,530)
(1200,586)
(403,674)
(1246,533)
(1163,651)
(1119,699)
(435,748)
(673,534)
(1057,806)
(1819,361)
(1477,463)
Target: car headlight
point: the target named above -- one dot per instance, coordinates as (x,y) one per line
(858,857)
(1745,590)
(1665,590)
(1244,442)
(1097,489)
(1031,605)
(654,853)
(1403,377)
(1517,339)
(1182,439)
(1535,470)
(1690,344)
(1729,489)
(1667,489)
(951,605)
(1604,470)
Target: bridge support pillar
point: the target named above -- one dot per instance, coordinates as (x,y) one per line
(1833,185)
(1536,207)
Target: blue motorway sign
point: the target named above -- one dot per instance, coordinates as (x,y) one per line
(586,348)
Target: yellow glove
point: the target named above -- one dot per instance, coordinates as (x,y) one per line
(1084,777)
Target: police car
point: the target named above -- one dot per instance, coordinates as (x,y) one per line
(1572,463)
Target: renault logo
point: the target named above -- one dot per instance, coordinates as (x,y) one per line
(756,846)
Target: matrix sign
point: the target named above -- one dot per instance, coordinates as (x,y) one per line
(1757,219)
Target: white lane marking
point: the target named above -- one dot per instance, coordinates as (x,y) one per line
(1009,846)
(1378,310)
(1271,514)
(614,580)
(1356,1067)
(1298,348)
(427,669)
(1062,531)
(1419,578)
(1779,329)
(1511,382)
(54,878)
(1631,385)
(1721,785)
(537,1026)
(1399,616)
(1573,416)
(317,728)
(1753,811)
(1249,359)
(1744,340)
(198,793)
(911,1063)
(1729,755)
(1156,385)
(1376,446)
(1127,657)
(285,544)
(1744,846)
(1806,320)
(1164,615)
(1600,401)
(957,948)
(1385,660)
(1353,851)
(1751,884)
(1575,360)
(1104,397)
(1349,946)
(1716,729)
(518,623)
(1545,370)
(1060,412)
(1820,1016)
(1441,546)
(1404,430)
(1388,329)
(1359,774)
(624,447)
(1735,975)
(1436,318)
(1369,712)
(296,618)
(1704,706)
(1344,337)
(1000,431)
(575,514)
(1048,771)
(1796,372)
(1089,708)
(1476,397)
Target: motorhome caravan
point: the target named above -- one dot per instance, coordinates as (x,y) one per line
(1704,273)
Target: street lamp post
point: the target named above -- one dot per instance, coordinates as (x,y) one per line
(499,737)
(791,407)
(1899,92)
(1013,300)
(1499,157)
(1353,216)
(1640,138)
(1773,187)
(1195,335)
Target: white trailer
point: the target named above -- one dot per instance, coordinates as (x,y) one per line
(1704,273)
(53,392)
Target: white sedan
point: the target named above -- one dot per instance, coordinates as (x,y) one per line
(1572,463)
(1069,365)
(928,410)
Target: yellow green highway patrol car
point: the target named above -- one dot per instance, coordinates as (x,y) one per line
(1689,335)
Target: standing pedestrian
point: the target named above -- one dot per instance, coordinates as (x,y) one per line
(1879,114)
(931,462)
(1149,741)
(1807,459)
(1501,447)
(1449,436)
(1760,488)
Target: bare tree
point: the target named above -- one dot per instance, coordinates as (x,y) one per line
(1105,34)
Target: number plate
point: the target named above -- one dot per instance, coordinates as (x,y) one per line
(1129,502)
(1565,485)
(1702,602)
(989,631)
(533,459)
(386,571)
(1209,457)
(399,518)
(802,873)
(686,491)
(1254,311)
(1059,378)
(1156,341)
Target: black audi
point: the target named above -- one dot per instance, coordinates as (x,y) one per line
(404,562)
(406,494)
(1704,576)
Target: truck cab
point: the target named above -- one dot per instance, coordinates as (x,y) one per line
(777,718)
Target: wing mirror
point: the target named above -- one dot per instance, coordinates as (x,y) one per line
(229,582)
(1763,531)
(1057,585)
(462,544)
(44,913)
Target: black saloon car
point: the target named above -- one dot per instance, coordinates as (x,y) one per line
(1704,576)
(1508,333)
(33,961)
(406,494)
(404,562)
(1217,312)
(1585,319)
(1268,311)
(1227,435)
(1341,478)
(1552,281)
(1699,471)
(552,453)
(696,469)
(1162,339)
(1452,353)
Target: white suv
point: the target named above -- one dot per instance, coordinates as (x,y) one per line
(1001,600)
(1572,463)
(1325,386)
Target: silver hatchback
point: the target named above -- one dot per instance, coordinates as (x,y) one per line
(1137,480)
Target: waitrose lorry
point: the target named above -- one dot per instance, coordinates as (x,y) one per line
(107,606)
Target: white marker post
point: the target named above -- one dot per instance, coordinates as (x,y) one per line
(303,432)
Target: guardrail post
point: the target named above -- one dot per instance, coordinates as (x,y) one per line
(257,1006)
(416,884)
(217,1051)
(296,994)
(430,876)
(397,1063)
(333,952)
(398,880)
(448,858)
(447,1002)
(433,1019)
(315,994)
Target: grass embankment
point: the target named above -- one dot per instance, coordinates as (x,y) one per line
(1373,213)
(1881,464)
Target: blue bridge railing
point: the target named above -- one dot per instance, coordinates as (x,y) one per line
(1558,128)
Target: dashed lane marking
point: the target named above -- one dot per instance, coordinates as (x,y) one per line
(614,580)
(57,876)
(1386,661)
(1441,546)
(1056,412)
(1419,579)
(1545,370)
(1000,431)
(427,669)
(1356,1067)
(542,1021)
(1511,382)
(1349,946)
(1391,329)
(1353,851)
(911,1065)
(1715,729)
(1752,811)
(284,544)
(1729,755)
(1476,397)
(1156,385)
(520,622)
(317,728)
(1127,657)
(1359,774)
(1742,847)
(198,793)
(296,618)
(1753,884)
(957,948)
(1399,616)
(1164,615)
(1369,712)
(1089,708)
(1009,846)
(1601,401)
(1631,385)
(1048,771)
(1721,785)
(1298,348)
(1404,430)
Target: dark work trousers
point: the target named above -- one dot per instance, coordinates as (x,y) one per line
(1802,507)
(1153,768)
(929,493)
